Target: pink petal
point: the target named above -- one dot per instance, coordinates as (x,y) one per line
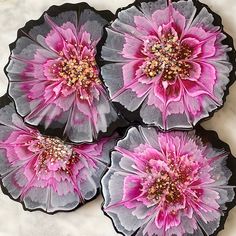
(179,20)
(84,38)
(169,94)
(209,48)
(144,25)
(199,33)
(65,32)
(161,17)
(131,189)
(177,107)
(156,101)
(140,89)
(169,15)
(132,48)
(194,44)
(193,105)
(160,219)
(129,71)
(55,41)
(196,71)
(172,220)
(205,84)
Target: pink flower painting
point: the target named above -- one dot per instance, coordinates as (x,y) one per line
(166,184)
(168,61)
(44,172)
(54,76)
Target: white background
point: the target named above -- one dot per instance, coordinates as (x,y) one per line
(89,220)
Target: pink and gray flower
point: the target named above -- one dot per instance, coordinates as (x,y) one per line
(54,76)
(166,184)
(168,60)
(44,172)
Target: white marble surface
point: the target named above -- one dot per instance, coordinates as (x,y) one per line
(89,220)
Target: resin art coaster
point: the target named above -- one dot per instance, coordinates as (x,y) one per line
(43,172)
(169,184)
(53,73)
(80,78)
(168,64)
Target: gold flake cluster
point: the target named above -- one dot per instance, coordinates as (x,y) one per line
(168,57)
(54,151)
(162,185)
(75,72)
(168,183)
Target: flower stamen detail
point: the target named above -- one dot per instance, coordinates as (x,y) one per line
(168,186)
(55,155)
(83,73)
(167,57)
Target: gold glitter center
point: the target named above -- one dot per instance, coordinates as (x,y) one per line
(169,58)
(77,72)
(169,185)
(54,151)
(164,186)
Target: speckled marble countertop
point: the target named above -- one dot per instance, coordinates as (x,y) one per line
(89,220)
